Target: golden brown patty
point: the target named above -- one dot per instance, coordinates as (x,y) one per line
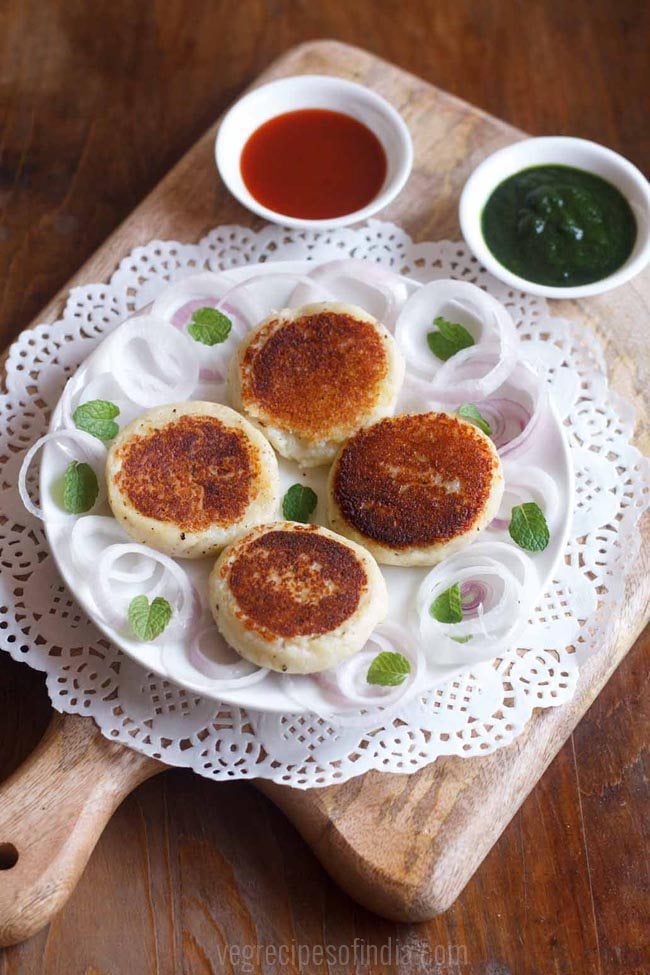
(195,472)
(296,598)
(296,583)
(413,488)
(311,377)
(188,477)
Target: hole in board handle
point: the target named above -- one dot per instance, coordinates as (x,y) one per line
(8,856)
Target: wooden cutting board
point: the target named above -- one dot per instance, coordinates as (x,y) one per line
(404,846)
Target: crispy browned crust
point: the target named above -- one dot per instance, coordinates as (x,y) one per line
(194,472)
(316,373)
(412,481)
(295,583)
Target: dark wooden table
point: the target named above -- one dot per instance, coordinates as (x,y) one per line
(97,100)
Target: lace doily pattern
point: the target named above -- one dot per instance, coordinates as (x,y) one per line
(471,715)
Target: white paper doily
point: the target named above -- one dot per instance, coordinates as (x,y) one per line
(484,710)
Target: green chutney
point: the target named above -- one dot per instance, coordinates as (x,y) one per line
(559,226)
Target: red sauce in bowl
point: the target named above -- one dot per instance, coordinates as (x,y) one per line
(313,164)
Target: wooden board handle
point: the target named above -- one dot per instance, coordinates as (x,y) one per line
(52,812)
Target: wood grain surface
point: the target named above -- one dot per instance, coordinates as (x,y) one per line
(186,868)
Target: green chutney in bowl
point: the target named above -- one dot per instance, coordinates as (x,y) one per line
(557,217)
(558,225)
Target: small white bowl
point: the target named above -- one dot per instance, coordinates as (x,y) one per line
(562,151)
(314,91)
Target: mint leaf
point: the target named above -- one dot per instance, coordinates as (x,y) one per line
(80,488)
(469,412)
(528,527)
(447,608)
(462,639)
(449,339)
(454,332)
(299,503)
(388,669)
(97,417)
(149,620)
(209,326)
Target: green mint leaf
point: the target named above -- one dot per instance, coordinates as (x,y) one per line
(447,608)
(97,417)
(441,348)
(209,326)
(462,639)
(299,503)
(454,332)
(148,620)
(449,339)
(469,412)
(528,527)
(388,669)
(80,488)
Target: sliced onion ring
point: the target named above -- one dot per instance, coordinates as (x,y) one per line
(197,290)
(166,370)
(253,300)
(527,483)
(87,543)
(507,418)
(528,381)
(472,595)
(509,584)
(229,674)
(472,373)
(392,289)
(513,411)
(84,387)
(93,451)
(349,700)
(113,603)
(350,676)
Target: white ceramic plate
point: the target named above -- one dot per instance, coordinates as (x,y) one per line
(547,449)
